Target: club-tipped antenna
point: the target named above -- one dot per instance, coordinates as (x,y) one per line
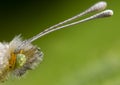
(97,7)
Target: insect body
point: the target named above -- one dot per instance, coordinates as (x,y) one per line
(19,55)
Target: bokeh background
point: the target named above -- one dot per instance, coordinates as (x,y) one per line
(84,54)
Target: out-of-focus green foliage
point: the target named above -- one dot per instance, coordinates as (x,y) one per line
(85,54)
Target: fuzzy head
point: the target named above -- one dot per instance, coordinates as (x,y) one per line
(17,63)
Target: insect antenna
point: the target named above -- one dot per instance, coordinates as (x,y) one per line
(96,7)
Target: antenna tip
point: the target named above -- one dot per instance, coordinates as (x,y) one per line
(108,12)
(102,3)
(100,6)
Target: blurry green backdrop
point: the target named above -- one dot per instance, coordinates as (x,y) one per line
(84,54)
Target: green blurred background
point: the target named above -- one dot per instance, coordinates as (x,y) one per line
(84,54)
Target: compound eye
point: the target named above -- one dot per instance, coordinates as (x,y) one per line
(20,60)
